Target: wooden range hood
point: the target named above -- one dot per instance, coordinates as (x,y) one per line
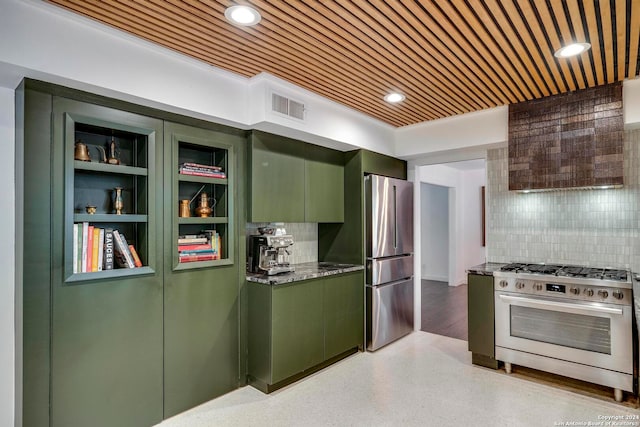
(568,141)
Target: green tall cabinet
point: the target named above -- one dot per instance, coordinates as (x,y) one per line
(201,305)
(125,346)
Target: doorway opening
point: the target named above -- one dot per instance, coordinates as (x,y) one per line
(450,242)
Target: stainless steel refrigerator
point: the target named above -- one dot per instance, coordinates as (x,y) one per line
(389,245)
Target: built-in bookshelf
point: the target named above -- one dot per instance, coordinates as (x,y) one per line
(108,170)
(202,167)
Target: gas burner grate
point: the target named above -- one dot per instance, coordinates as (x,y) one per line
(542,268)
(617,275)
(514,266)
(578,271)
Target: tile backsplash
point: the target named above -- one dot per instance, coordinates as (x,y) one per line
(584,227)
(305,236)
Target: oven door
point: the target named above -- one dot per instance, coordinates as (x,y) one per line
(584,332)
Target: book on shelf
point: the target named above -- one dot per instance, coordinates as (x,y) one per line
(101,249)
(205,174)
(196,247)
(121,251)
(215,240)
(108,249)
(78,244)
(200,166)
(95,249)
(89,244)
(75,248)
(136,259)
(199,257)
(192,239)
(85,236)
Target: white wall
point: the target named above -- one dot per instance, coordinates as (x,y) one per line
(434,213)
(476,129)
(7,257)
(465,248)
(472,182)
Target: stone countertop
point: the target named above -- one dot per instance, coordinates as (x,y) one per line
(485,269)
(305,271)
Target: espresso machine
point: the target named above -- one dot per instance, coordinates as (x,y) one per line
(270,254)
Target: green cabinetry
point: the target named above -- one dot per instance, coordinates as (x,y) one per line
(324,192)
(201,333)
(300,327)
(297,333)
(294,182)
(277,185)
(125,346)
(343,304)
(481,311)
(106,342)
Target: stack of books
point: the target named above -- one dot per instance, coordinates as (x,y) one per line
(199,247)
(198,169)
(98,249)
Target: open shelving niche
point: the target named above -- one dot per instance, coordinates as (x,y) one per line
(93,183)
(191,149)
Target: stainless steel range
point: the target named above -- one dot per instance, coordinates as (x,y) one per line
(569,320)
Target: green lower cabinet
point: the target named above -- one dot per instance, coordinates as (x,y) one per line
(297,331)
(300,327)
(343,313)
(481,312)
(200,337)
(106,365)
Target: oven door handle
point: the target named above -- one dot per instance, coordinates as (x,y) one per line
(573,306)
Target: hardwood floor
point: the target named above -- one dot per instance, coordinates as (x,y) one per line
(444,309)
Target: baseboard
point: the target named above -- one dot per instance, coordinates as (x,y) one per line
(435,278)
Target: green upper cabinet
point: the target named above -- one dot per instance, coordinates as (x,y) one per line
(277,185)
(292,181)
(324,192)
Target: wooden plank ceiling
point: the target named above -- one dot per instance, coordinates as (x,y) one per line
(447,57)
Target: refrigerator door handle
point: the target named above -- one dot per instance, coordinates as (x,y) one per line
(395,217)
(395,282)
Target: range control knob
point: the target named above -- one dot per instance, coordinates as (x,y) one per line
(519,285)
(603,293)
(588,292)
(618,294)
(575,291)
(537,286)
(503,283)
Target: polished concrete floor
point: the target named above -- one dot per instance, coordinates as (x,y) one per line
(420,380)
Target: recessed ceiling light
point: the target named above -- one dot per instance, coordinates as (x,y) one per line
(242,15)
(394,97)
(572,50)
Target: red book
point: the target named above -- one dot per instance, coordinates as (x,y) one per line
(136,259)
(205,174)
(188,248)
(192,258)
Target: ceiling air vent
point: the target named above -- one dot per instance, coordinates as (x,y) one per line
(288,107)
